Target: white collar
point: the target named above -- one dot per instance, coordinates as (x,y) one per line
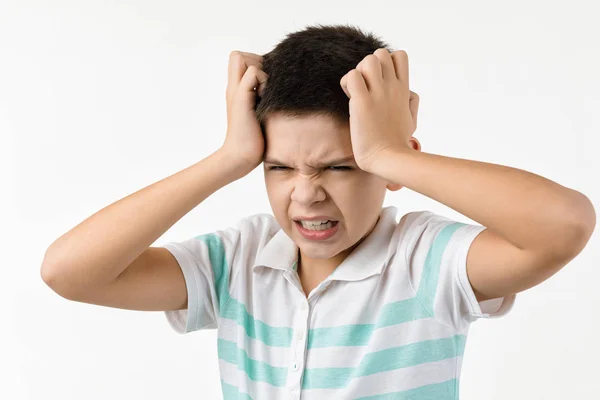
(368,259)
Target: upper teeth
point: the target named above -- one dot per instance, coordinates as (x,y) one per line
(314,222)
(317,225)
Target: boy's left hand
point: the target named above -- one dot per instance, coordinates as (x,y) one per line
(383,111)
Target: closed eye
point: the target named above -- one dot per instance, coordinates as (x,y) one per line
(331,168)
(340,168)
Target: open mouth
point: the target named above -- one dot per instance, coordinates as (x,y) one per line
(317,230)
(317,225)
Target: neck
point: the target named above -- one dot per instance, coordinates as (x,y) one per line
(317,269)
(313,271)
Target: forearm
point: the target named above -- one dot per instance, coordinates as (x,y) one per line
(528,210)
(98,249)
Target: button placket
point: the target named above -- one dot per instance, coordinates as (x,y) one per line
(299,347)
(299,335)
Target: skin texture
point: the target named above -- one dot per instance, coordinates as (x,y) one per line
(534,226)
(300,187)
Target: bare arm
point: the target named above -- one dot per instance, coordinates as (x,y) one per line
(106,259)
(85,263)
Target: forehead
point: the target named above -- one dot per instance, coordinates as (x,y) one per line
(306,138)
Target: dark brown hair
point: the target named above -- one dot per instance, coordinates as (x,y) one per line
(305,69)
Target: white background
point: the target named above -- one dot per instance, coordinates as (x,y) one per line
(99,99)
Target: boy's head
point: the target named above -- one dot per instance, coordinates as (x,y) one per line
(304,114)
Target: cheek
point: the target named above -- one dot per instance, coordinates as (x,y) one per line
(350,189)
(279,198)
(276,189)
(359,199)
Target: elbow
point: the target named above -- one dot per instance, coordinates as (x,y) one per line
(589,219)
(574,239)
(584,224)
(55,278)
(577,229)
(51,278)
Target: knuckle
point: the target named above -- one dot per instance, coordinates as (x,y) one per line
(400,54)
(353,74)
(253,69)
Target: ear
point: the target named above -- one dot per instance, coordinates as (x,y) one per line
(392,187)
(414,144)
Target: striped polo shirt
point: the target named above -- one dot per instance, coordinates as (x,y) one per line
(390,322)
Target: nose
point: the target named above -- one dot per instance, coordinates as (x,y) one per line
(307,190)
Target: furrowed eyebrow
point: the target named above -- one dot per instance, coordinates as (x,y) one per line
(320,164)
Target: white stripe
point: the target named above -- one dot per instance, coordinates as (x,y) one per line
(382,338)
(339,305)
(390,381)
(257,390)
(257,350)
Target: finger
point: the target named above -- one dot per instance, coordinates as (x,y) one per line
(252,56)
(400,59)
(236,68)
(253,78)
(355,84)
(262,78)
(387,64)
(370,68)
(238,64)
(344,85)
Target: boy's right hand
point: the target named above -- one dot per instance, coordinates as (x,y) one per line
(244,143)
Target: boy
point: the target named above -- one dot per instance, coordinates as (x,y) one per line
(333,297)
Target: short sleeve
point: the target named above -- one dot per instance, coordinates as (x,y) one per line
(436,257)
(207,264)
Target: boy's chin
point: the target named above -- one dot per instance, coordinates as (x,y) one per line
(322,250)
(312,250)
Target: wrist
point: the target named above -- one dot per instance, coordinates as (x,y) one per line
(381,162)
(233,165)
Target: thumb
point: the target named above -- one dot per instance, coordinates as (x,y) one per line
(413,105)
(344,85)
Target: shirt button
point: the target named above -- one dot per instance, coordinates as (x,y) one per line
(303,306)
(295,366)
(299,334)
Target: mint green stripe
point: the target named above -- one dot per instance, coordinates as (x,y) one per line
(393,313)
(256,370)
(386,360)
(358,335)
(438,391)
(231,308)
(400,312)
(345,335)
(269,335)
(431,269)
(230,392)
(218,262)
(411,354)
